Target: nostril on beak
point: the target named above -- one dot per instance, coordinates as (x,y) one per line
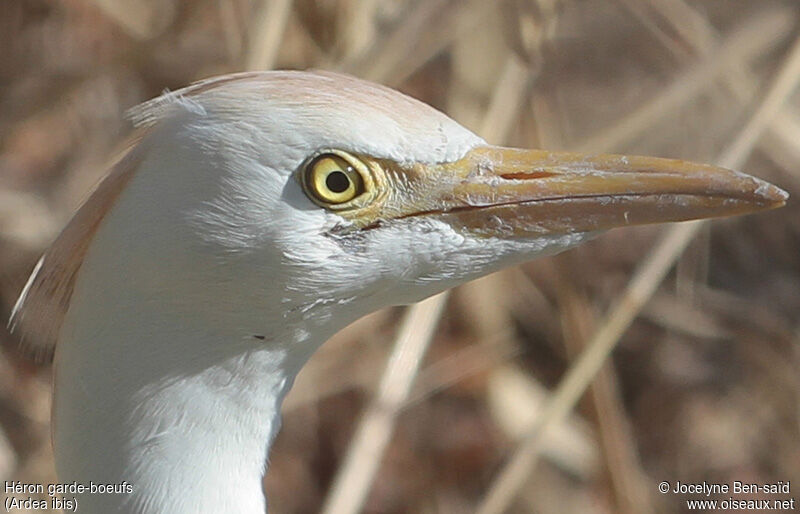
(528,175)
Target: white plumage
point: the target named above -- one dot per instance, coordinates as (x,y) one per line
(193,285)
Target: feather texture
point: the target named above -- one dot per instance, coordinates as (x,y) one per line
(42,306)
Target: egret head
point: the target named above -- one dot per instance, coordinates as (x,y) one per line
(322,197)
(256,215)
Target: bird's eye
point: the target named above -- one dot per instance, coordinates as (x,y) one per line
(332,180)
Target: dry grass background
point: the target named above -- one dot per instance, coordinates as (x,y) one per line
(704,382)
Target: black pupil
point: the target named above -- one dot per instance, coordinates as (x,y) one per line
(337,182)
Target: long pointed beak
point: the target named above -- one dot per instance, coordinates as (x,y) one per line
(498,191)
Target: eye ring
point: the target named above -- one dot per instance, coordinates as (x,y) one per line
(332,179)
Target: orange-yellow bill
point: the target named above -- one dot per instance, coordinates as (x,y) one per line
(509,192)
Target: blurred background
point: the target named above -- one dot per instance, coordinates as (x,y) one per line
(704,386)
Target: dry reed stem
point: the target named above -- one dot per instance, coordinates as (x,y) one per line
(644,283)
(646,279)
(392,50)
(578,321)
(473,359)
(695,36)
(356,474)
(780,90)
(781,145)
(694,32)
(417,40)
(784,131)
(755,38)
(686,23)
(628,480)
(330,370)
(514,400)
(746,313)
(509,95)
(269,22)
(512,409)
(668,311)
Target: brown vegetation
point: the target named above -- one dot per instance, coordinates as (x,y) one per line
(703,384)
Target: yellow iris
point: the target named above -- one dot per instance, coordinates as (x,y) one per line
(333,180)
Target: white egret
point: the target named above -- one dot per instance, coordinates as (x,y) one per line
(258,214)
